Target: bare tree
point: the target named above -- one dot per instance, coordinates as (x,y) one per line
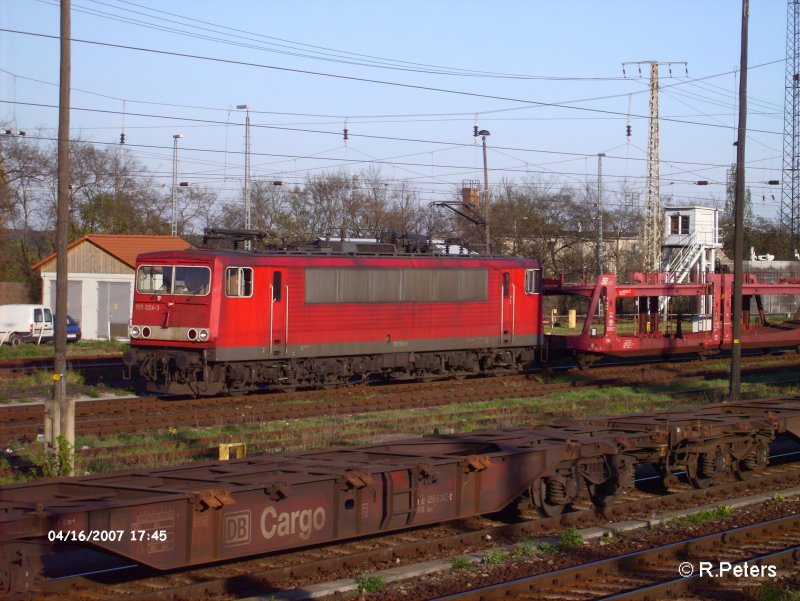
(27,166)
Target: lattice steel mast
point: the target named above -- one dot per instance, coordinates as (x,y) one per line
(651,228)
(652,204)
(790,206)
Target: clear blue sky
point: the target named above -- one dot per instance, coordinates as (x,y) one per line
(306,73)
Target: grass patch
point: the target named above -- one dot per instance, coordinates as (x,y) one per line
(303,434)
(495,557)
(718,513)
(570,538)
(369,583)
(769,591)
(41,377)
(460,564)
(525,548)
(74,349)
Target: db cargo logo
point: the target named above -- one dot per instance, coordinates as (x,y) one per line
(301,522)
(236,528)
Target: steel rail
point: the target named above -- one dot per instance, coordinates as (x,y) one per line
(646,565)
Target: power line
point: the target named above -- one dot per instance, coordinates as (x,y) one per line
(531,103)
(302,50)
(531,169)
(211,122)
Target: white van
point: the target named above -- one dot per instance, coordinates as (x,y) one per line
(25,323)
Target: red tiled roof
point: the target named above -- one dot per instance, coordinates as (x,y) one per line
(126,248)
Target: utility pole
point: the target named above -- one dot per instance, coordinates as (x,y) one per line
(652,230)
(175,139)
(600,156)
(484,133)
(738,239)
(60,416)
(247,209)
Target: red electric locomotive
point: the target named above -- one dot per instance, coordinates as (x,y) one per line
(208,321)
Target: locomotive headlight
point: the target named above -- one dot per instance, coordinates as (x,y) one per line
(191,334)
(202,335)
(135,332)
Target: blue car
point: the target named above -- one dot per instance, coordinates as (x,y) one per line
(73,330)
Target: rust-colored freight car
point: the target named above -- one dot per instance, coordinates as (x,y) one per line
(204,512)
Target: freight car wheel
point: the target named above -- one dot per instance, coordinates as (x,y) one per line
(553,494)
(585,360)
(755,461)
(704,468)
(539,499)
(619,481)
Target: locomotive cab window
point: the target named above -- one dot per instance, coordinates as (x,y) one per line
(154,278)
(191,281)
(533,281)
(239,281)
(173,279)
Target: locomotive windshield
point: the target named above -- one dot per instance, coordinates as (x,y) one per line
(173,279)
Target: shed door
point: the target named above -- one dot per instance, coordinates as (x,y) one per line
(113,309)
(74,299)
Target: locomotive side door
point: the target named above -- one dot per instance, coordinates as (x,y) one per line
(507,309)
(278,313)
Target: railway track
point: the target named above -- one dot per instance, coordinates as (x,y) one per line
(693,568)
(103,417)
(386,500)
(11,368)
(275,573)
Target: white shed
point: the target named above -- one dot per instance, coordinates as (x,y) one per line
(101,274)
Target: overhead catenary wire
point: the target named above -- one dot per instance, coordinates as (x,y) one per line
(533,103)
